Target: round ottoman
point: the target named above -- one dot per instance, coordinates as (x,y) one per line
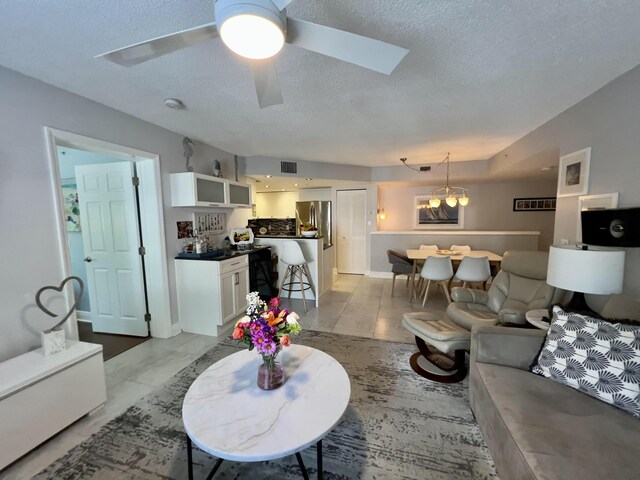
(447,337)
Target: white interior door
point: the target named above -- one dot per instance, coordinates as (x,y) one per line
(110,237)
(351,225)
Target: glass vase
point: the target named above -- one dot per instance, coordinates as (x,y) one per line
(270,373)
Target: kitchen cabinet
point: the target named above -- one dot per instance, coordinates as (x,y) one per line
(239,194)
(190,189)
(211,294)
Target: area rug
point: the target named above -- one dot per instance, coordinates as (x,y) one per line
(398,426)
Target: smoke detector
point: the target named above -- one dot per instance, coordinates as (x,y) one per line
(174,103)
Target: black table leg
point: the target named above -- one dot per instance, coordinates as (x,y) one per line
(215,469)
(305,475)
(189,459)
(319,455)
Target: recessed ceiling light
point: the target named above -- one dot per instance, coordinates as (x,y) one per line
(308,179)
(283,189)
(296,185)
(174,103)
(546,169)
(266,186)
(268,176)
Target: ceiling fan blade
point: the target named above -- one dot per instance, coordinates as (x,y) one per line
(143,51)
(281,4)
(267,84)
(348,47)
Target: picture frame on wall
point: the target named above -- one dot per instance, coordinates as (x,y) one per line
(537,204)
(573,173)
(442,218)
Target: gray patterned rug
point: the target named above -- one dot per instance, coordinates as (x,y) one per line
(398,426)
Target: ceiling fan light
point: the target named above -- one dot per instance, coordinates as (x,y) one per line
(451,200)
(252,36)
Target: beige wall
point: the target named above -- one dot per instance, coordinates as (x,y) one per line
(276,205)
(490,207)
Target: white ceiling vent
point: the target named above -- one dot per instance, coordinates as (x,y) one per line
(288,167)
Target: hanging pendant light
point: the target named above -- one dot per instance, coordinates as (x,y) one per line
(452,195)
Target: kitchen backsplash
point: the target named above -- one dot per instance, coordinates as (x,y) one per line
(273,226)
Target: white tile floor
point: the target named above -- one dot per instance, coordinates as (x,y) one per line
(356,305)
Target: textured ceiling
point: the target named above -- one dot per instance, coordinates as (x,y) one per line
(480,73)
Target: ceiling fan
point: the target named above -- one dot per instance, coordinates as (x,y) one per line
(257,30)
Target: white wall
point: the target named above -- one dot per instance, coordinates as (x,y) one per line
(609,122)
(490,207)
(26,192)
(276,204)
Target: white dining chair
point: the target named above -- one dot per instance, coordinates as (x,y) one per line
(429,247)
(473,270)
(437,268)
(460,248)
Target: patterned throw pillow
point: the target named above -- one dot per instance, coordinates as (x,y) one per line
(599,358)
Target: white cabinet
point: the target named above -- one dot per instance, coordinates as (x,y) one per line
(190,189)
(239,194)
(211,293)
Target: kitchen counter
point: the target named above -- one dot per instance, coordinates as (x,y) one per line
(297,237)
(226,255)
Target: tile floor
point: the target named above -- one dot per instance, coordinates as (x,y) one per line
(356,305)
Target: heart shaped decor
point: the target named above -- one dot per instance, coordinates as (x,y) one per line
(59,290)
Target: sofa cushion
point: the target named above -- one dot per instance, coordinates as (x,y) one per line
(549,430)
(599,358)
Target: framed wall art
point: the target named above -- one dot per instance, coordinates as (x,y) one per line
(443,217)
(573,173)
(71,205)
(537,204)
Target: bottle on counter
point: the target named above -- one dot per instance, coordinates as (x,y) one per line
(198,242)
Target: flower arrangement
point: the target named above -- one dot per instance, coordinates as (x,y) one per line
(267,328)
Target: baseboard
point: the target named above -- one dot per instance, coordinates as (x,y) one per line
(380,274)
(83,316)
(176,328)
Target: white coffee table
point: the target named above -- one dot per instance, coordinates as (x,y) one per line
(535,318)
(226,415)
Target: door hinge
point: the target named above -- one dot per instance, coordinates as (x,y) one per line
(141,251)
(147,317)
(135,181)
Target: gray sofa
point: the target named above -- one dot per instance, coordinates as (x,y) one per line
(537,428)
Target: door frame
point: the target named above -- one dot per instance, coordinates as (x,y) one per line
(151,221)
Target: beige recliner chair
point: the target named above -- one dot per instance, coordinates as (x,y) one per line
(520,286)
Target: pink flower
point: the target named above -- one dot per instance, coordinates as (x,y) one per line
(285,341)
(274,302)
(238,333)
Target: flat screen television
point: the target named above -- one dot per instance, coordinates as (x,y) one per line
(617,227)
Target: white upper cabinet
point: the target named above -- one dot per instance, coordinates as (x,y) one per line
(190,189)
(239,194)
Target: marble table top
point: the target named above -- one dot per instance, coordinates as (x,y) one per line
(226,415)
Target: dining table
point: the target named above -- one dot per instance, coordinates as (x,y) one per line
(417,255)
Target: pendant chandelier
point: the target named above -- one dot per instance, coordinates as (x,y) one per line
(452,195)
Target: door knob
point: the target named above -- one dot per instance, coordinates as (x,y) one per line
(88,259)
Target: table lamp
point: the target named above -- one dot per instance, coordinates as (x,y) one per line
(585,269)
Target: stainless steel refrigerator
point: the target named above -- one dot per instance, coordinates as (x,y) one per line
(317,213)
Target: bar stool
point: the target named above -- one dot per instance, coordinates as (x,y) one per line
(292,255)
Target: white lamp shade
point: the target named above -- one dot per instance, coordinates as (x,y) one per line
(596,271)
